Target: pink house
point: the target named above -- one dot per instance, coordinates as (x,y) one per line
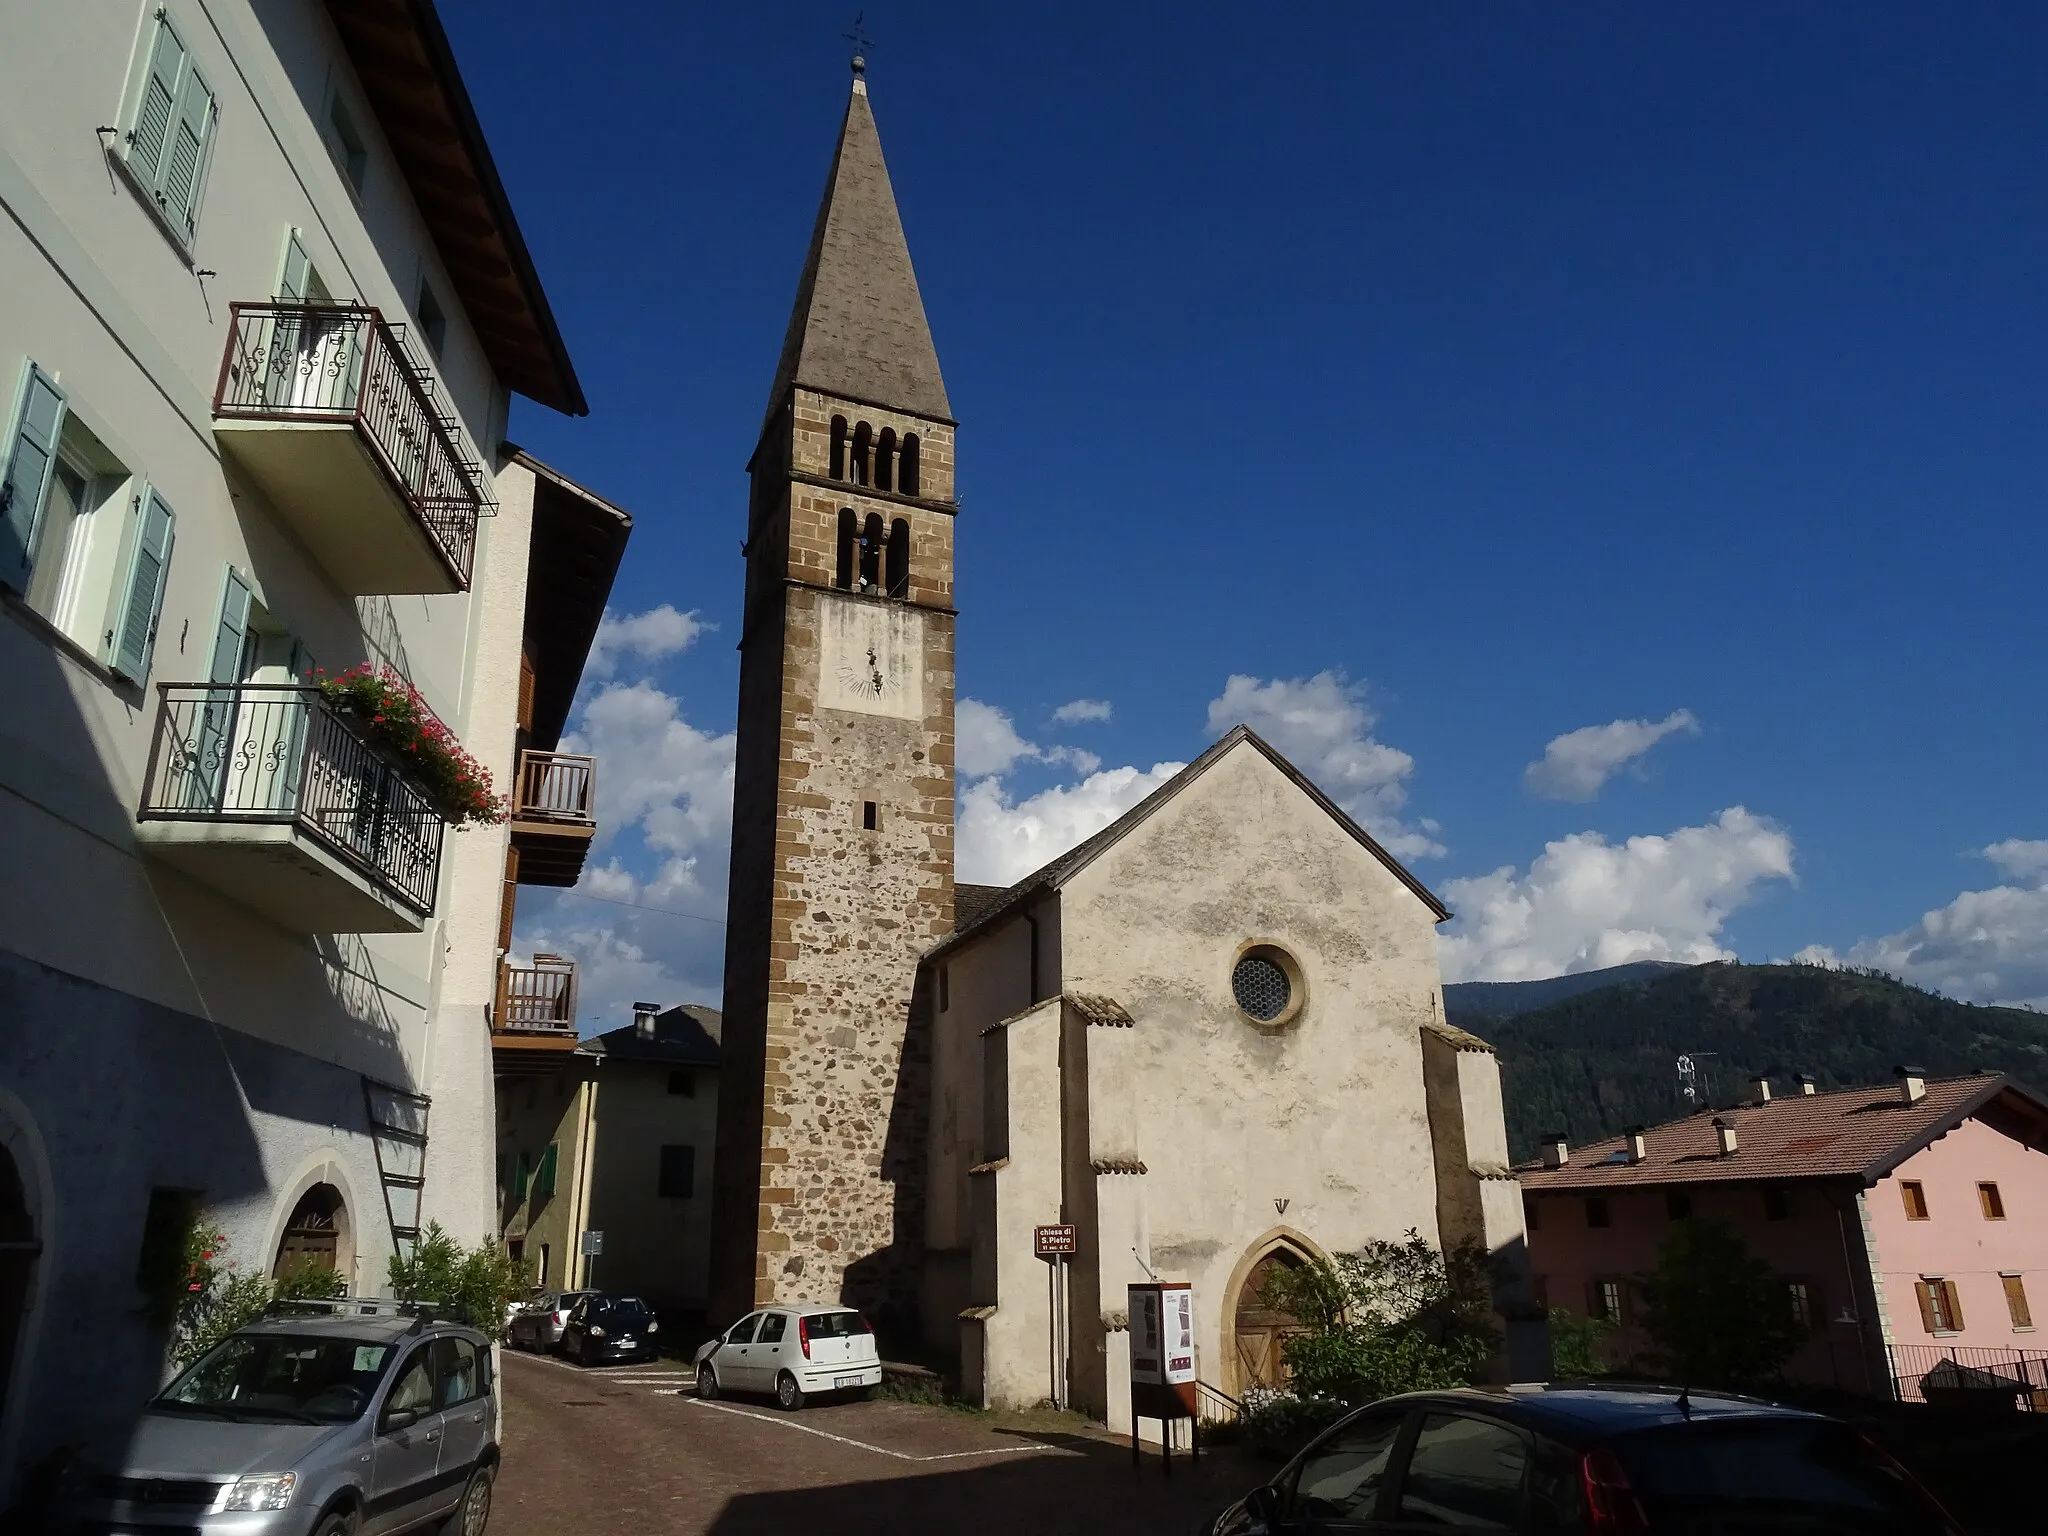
(1909,1224)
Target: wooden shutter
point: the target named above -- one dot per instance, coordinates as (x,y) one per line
(508,899)
(1953,1305)
(158,105)
(525,720)
(232,630)
(142,600)
(185,156)
(2016,1301)
(32,450)
(544,1179)
(1923,1291)
(294,282)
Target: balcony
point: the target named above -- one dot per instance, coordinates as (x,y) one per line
(325,409)
(551,819)
(533,1017)
(265,794)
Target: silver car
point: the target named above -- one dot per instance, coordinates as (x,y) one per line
(351,1418)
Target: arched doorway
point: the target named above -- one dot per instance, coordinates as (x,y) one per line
(19,1248)
(313,1234)
(1259,1325)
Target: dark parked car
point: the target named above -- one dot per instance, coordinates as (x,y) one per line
(604,1327)
(1602,1460)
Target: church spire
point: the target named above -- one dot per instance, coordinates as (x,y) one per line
(858,329)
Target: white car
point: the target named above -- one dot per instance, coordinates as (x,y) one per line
(793,1352)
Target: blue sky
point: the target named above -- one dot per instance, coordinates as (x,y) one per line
(1458,377)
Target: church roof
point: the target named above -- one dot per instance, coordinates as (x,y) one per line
(858,329)
(970,921)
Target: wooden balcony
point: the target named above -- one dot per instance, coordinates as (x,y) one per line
(326,408)
(551,821)
(533,1017)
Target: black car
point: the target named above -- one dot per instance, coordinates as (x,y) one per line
(604,1327)
(1600,1460)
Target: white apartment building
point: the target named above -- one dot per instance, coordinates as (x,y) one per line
(263,303)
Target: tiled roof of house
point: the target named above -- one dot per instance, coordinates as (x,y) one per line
(686,1035)
(1851,1133)
(971,901)
(1456,1038)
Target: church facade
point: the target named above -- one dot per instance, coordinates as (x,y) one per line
(1210,1038)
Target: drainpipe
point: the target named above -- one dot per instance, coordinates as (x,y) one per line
(1031,987)
(586,1141)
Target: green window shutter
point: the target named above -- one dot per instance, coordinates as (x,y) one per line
(157,106)
(185,156)
(32,449)
(143,601)
(522,1175)
(231,631)
(544,1180)
(294,283)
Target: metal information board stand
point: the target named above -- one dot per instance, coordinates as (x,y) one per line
(1163,1365)
(1055,1244)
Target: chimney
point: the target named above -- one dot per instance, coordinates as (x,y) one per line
(1724,1135)
(1637,1151)
(1555,1153)
(1762,1085)
(1805,1081)
(1912,1084)
(643,1019)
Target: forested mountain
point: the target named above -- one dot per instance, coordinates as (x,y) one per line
(1473,999)
(1601,1060)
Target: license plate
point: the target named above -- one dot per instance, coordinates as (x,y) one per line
(625,1343)
(845,1381)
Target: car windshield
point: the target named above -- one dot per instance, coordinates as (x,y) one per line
(619,1309)
(1795,1474)
(279,1376)
(836,1325)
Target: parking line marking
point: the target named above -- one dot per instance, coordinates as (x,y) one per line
(880,1450)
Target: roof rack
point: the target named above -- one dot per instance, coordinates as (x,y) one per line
(421,1312)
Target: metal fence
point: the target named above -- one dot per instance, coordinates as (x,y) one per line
(258,752)
(343,363)
(1933,1373)
(553,786)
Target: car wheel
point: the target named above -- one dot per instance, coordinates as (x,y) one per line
(474,1512)
(788,1395)
(707,1382)
(340,1523)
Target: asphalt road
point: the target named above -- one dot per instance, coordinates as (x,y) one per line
(628,1449)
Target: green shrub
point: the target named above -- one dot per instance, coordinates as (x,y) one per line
(218,1298)
(476,1282)
(1719,1317)
(1575,1345)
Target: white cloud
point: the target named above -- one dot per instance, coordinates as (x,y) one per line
(1081,712)
(1988,946)
(1001,840)
(1322,725)
(655,771)
(1576,764)
(1586,903)
(985,742)
(653,635)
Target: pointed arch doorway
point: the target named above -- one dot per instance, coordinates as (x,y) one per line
(1258,1327)
(316,1235)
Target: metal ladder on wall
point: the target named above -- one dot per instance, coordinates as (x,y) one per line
(398,1130)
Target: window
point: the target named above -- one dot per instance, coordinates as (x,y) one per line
(678,1173)
(773,1326)
(459,1377)
(871,553)
(906,465)
(433,320)
(1678,1204)
(743,1330)
(1530,1213)
(84,550)
(160,1264)
(885,459)
(1915,1198)
(863,447)
(683,1083)
(1262,986)
(522,1176)
(1604,1300)
(836,466)
(849,549)
(1775,1205)
(413,1392)
(945,990)
(1341,1478)
(1993,1203)
(544,1176)
(1464,1472)
(1597,1213)
(1804,1300)
(345,143)
(870,819)
(1941,1310)
(2016,1300)
(171,127)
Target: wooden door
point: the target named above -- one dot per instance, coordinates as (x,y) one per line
(1261,1327)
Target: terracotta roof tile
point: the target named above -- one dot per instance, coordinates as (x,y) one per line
(1853,1132)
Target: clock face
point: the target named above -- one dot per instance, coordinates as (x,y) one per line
(871,658)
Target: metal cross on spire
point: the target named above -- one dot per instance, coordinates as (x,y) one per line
(858,36)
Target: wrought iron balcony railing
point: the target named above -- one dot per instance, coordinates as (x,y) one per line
(536,999)
(554,786)
(275,753)
(342,363)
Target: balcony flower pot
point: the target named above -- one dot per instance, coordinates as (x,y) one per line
(398,724)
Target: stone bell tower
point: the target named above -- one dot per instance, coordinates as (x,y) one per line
(842,847)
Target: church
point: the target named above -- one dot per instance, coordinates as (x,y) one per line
(1210,1039)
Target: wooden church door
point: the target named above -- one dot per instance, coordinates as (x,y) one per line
(1261,1326)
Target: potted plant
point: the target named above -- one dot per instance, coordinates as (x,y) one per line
(390,713)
